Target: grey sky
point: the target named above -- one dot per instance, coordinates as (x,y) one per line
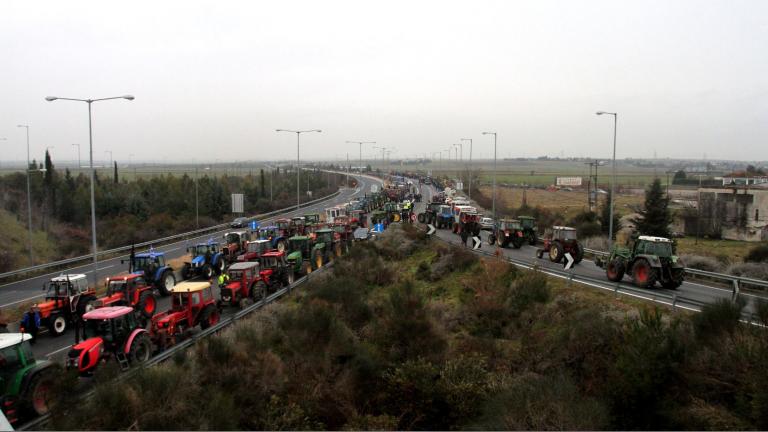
(215,79)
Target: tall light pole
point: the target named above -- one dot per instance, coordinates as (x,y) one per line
(613,177)
(78,155)
(469,193)
(493,200)
(29,199)
(360,143)
(90,102)
(298,160)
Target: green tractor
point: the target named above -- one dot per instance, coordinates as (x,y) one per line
(311,219)
(327,247)
(26,382)
(299,250)
(648,260)
(529,229)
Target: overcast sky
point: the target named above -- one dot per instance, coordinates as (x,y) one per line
(213,80)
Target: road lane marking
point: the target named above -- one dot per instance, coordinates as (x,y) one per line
(23,300)
(57,351)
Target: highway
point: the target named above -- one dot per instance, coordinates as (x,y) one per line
(691,295)
(12,294)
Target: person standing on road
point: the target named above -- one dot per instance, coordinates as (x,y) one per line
(30,323)
(464,237)
(223,279)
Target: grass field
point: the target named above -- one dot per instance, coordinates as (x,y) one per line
(562,201)
(725,250)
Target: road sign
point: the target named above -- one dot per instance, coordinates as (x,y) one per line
(254,225)
(568,263)
(430,229)
(237,203)
(568,181)
(379,227)
(477,241)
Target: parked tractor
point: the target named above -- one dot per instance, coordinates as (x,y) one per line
(345,232)
(560,242)
(110,332)
(275,270)
(529,229)
(648,260)
(67,298)
(129,290)
(506,232)
(429,216)
(192,305)
(298,258)
(298,226)
(244,286)
(444,217)
(207,260)
(311,219)
(152,265)
(255,249)
(25,382)
(234,244)
(274,235)
(468,222)
(288,227)
(358,219)
(327,247)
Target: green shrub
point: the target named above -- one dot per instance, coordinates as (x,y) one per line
(720,317)
(758,253)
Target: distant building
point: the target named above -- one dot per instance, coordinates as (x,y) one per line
(733,213)
(742,178)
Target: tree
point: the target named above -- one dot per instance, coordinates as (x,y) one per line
(605,217)
(263,193)
(115,179)
(679,176)
(655,218)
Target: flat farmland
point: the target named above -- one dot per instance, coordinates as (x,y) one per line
(560,201)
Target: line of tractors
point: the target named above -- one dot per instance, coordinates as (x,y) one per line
(123,323)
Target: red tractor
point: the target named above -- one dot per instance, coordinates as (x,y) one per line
(358,219)
(560,242)
(275,270)
(67,298)
(235,244)
(255,250)
(506,232)
(192,305)
(245,285)
(285,227)
(130,290)
(468,222)
(110,332)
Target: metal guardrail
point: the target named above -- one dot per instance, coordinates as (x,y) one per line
(38,422)
(152,242)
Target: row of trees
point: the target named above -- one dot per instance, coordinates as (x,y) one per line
(139,210)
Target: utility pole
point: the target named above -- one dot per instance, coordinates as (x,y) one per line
(613,177)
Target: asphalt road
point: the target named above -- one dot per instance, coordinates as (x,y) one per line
(31,289)
(687,294)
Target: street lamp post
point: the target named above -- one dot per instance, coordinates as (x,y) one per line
(613,177)
(493,200)
(298,160)
(90,102)
(469,193)
(360,143)
(29,199)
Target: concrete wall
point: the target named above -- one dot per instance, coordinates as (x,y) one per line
(737,213)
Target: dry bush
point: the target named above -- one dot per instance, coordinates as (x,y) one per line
(596,243)
(749,269)
(699,262)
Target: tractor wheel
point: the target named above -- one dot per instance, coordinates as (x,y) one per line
(245,302)
(532,238)
(578,253)
(167,282)
(58,324)
(186,271)
(517,242)
(317,259)
(491,239)
(337,249)
(207,271)
(140,350)
(281,245)
(643,275)
(500,241)
(306,268)
(258,291)
(221,265)
(556,252)
(539,253)
(147,304)
(209,317)
(420,218)
(615,270)
(37,396)
(676,279)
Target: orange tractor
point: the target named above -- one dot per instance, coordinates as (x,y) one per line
(130,290)
(67,298)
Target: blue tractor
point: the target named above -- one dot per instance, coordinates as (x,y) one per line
(207,260)
(152,266)
(276,237)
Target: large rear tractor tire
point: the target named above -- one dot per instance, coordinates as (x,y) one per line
(677,277)
(556,252)
(221,265)
(532,238)
(643,275)
(209,317)
(141,349)
(207,272)
(37,396)
(85,304)
(58,324)
(147,304)
(258,291)
(420,217)
(281,245)
(167,282)
(517,242)
(491,239)
(578,253)
(615,269)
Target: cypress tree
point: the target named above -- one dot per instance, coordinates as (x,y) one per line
(115,179)
(263,193)
(655,219)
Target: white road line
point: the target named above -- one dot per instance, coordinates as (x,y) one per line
(101,268)
(57,351)
(23,300)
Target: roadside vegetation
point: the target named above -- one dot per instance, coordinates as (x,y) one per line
(410,333)
(130,211)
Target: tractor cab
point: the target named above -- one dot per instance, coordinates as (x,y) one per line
(254,250)
(325,236)
(24,381)
(147,262)
(358,218)
(311,218)
(298,223)
(235,241)
(284,227)
(204,249)
(269,232)
(110,330)
(658,246)
(563,233)
(241,277)
(66,287)
(299,244)
(273,260)
(332,213)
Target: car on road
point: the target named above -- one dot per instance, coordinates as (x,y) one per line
(241,222)
(486,224)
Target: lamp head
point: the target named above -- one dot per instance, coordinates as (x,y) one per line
(50,98)
(600,112)
(129,97)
